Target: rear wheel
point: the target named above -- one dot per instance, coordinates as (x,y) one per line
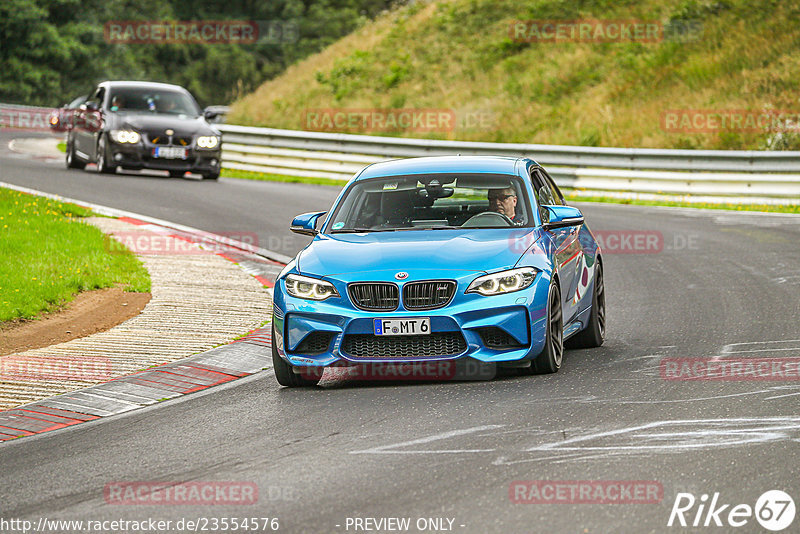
(595,332)
(285,374)
(176,174)
(72,161)
(549,361)
(103,165)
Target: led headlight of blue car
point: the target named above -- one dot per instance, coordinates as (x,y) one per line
(304,287)
(503,282)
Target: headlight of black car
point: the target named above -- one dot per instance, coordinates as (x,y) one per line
(207,141)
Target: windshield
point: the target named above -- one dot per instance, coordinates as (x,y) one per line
(439,201)
(152,100)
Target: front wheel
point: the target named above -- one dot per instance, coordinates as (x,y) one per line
(213,175)
(103,165)
(595,332)
(72,161)
(285,374)
(549,361)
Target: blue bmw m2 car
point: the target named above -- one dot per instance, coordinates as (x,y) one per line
(440,258)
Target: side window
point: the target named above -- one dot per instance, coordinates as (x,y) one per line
(556,195)
(543,194)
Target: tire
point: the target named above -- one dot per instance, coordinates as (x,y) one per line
(595,332)
(176,174)
(549,360)
(71,160)
(103,166)
(285,374)
(214,175)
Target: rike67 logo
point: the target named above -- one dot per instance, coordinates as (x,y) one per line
(774,510)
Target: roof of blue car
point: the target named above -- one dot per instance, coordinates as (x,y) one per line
(442,164)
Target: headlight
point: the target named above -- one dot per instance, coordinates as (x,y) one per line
(503,282)
(125,136)
(304,287)
(207,141)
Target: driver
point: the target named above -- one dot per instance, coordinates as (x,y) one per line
(169,105)
(504,202)
(117,103)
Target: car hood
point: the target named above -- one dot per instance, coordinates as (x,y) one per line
(157,123)
(444,250)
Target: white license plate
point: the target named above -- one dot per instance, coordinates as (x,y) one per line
(410,326)
(169,152)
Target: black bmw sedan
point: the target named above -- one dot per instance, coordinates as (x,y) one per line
(144,125)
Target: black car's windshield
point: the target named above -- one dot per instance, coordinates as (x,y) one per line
(152,100)
(432,202)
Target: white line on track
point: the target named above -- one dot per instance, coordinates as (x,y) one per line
(385,449)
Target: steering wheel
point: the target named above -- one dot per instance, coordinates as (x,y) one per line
(488,218)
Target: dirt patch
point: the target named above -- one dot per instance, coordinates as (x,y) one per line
(90,312)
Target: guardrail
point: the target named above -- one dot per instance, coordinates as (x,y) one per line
(721,175)
(702,175)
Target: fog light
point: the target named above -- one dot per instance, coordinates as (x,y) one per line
(214,162)
(117,157)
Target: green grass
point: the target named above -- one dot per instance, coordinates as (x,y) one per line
(787,208)
(62,146)
(250,175)
(47,256)
(458,55)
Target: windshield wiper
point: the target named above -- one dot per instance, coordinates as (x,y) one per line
(362,230)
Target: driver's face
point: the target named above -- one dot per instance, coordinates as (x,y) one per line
(503,201)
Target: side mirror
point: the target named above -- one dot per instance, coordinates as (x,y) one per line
(562,216)
(91,106)
(210,114)
(306,224)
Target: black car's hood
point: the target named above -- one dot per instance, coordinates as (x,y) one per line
(159,122)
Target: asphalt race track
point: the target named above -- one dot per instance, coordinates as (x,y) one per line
(713,284)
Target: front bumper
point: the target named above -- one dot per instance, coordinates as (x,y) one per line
(140,156)
(495,329)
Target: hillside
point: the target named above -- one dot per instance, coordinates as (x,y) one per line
(461,56)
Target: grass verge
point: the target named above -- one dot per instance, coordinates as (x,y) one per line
(62,146)
(776,208)
(788,208)
(251,175)
(47,256)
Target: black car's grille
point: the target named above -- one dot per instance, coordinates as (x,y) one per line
(315,343)
(161,139)
(428,295)
(164,139)
(497,338)
(374,296)
(437,344)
